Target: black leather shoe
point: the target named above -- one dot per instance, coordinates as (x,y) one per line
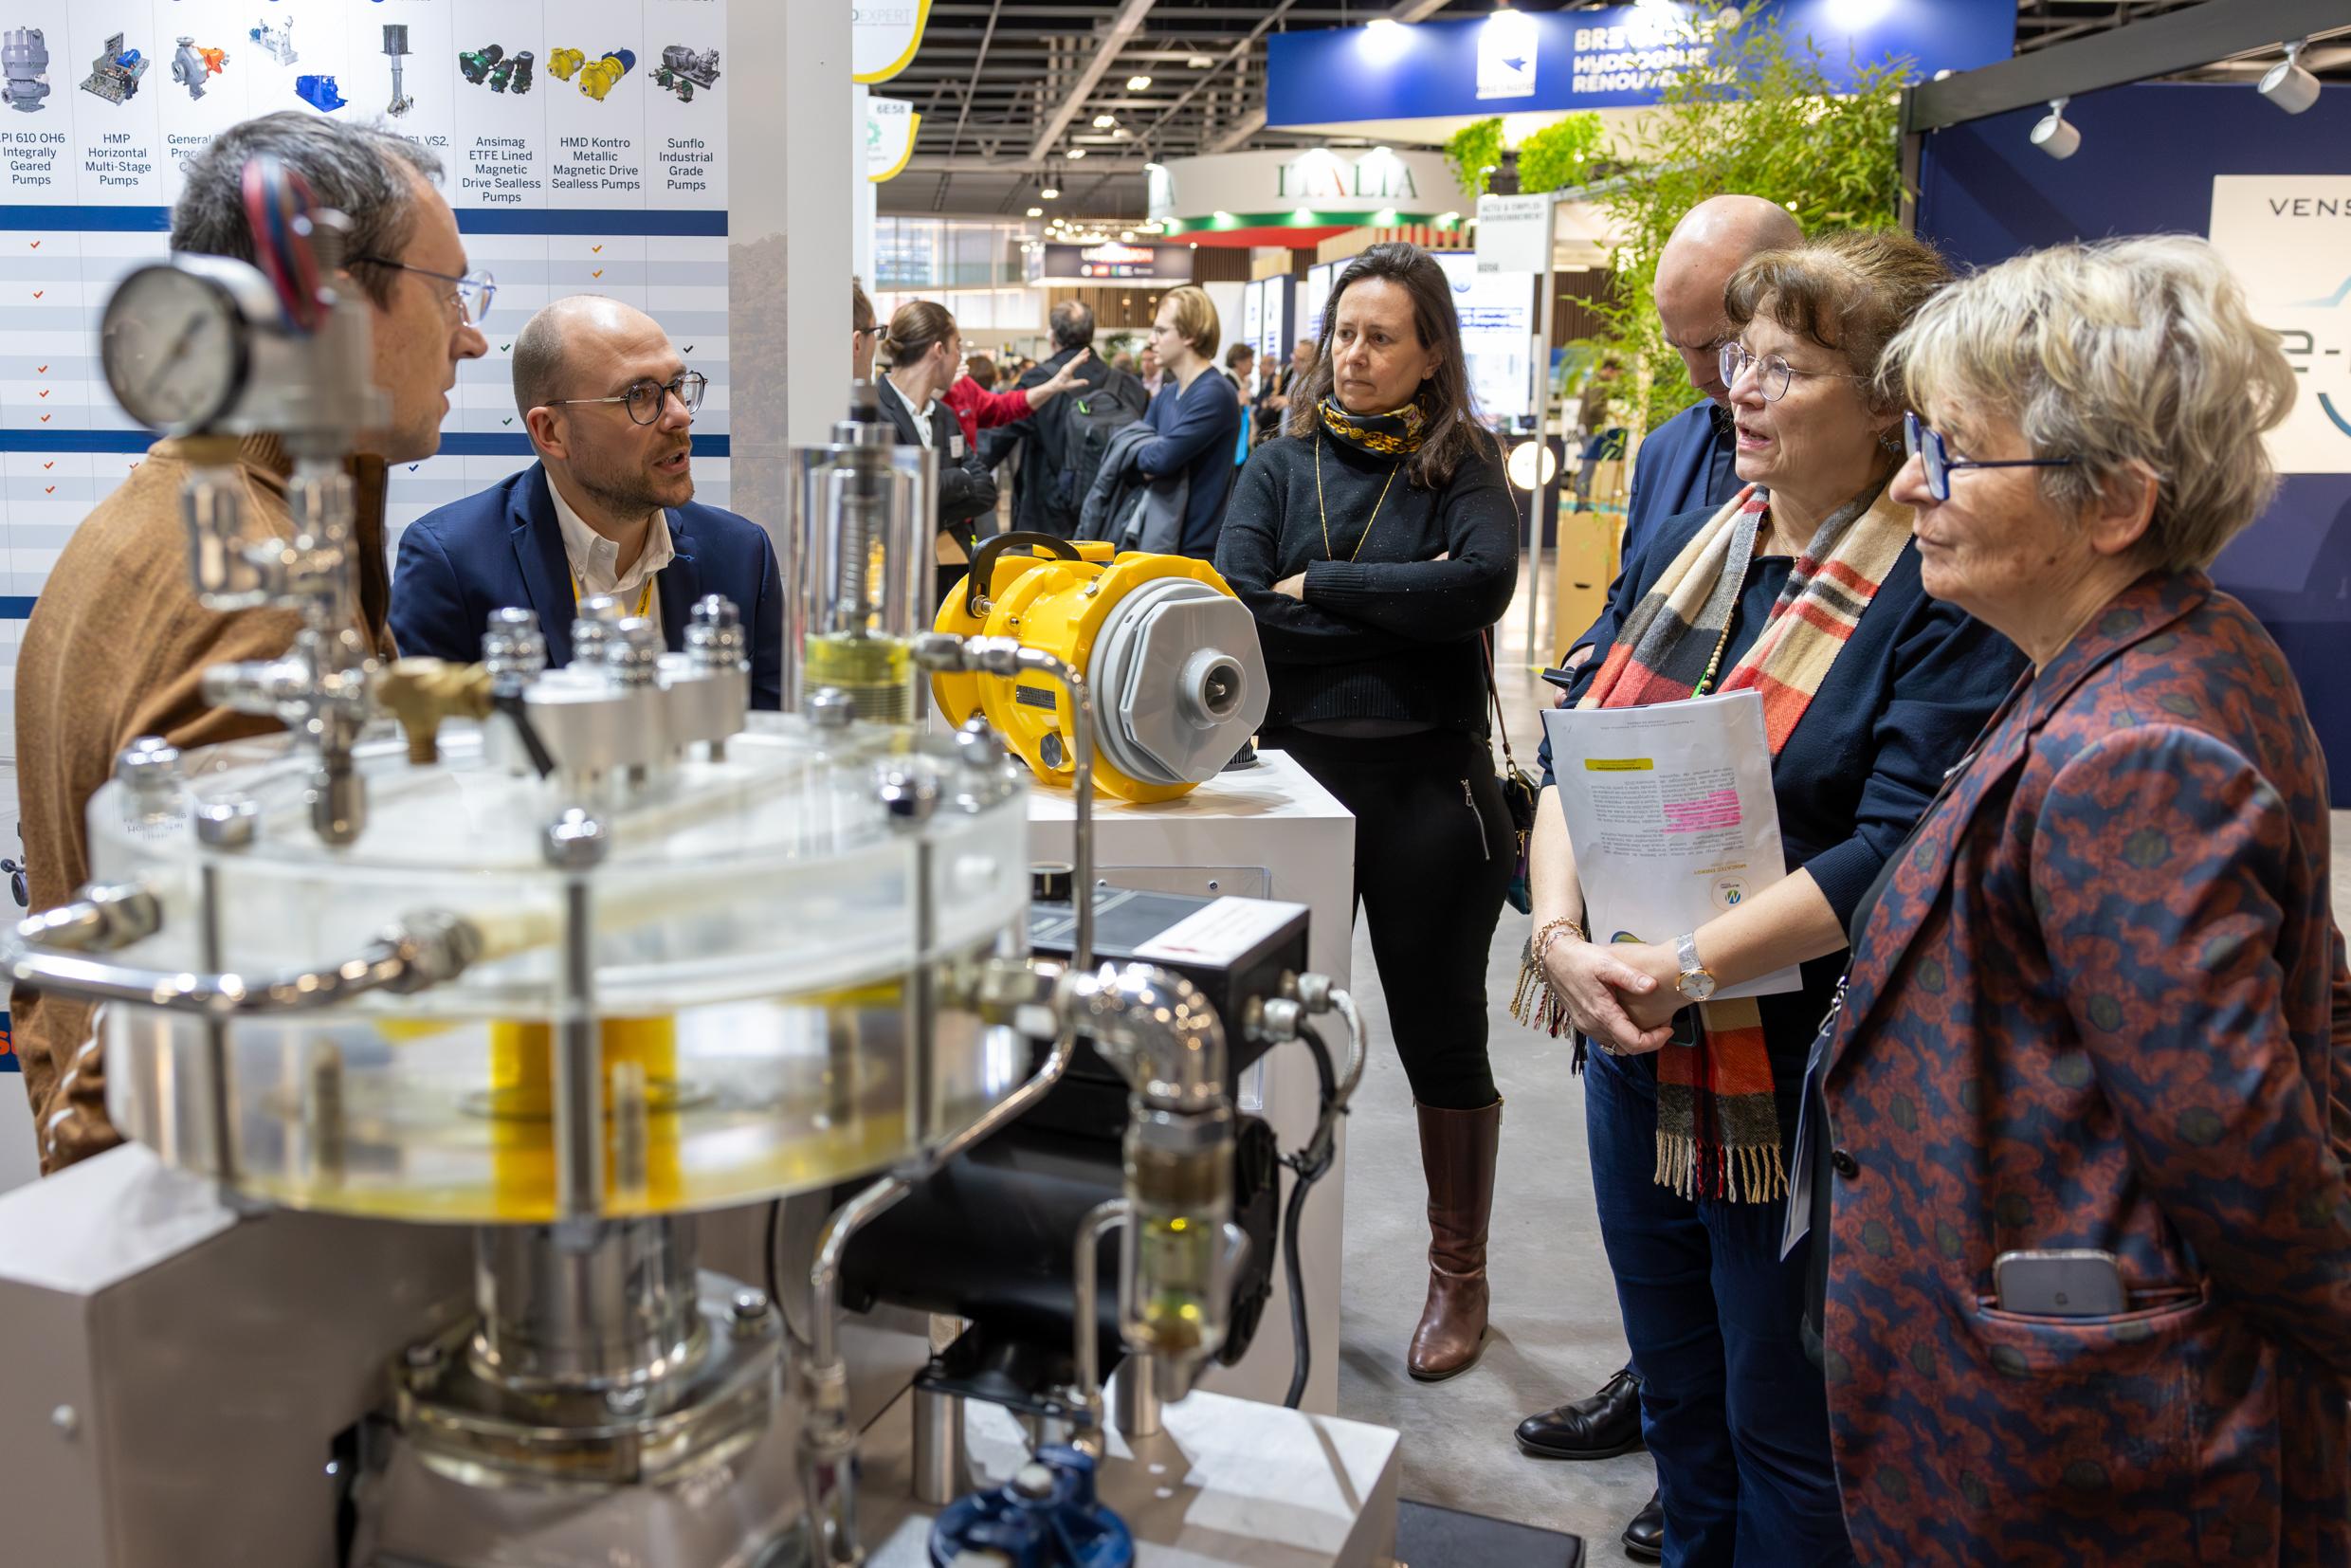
(1645,1537)
(1600,1426)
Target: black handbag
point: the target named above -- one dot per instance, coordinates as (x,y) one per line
(1518,788)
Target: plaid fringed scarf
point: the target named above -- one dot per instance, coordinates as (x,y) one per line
(1718,1124)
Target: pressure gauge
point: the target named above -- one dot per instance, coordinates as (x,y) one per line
(176,344)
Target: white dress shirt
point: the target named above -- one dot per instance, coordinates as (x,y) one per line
(593,559)
(922,415)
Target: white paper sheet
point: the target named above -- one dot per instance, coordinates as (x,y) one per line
(1671,813)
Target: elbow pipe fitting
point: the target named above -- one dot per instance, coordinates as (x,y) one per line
(101,920)
(1159,1031)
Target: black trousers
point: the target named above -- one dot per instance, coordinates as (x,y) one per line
(1434,855)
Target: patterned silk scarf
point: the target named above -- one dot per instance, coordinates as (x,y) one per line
(1398,434)
(1718,1124)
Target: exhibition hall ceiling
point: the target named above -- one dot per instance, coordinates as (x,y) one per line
(1018,96)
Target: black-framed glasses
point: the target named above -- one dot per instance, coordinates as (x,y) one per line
(646,398)
(1935,454)
(1773,373)
(473,292)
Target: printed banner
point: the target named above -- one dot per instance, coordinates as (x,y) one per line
(2288,237)
(884,36)
(890,125)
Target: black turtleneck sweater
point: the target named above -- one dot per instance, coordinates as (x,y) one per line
(1388,632)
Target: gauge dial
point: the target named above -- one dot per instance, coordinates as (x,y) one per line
(174,346)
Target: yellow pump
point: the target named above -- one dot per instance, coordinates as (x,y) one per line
(562,62)
(599,76)
(1178,681)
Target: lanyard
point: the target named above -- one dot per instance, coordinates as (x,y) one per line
(645,596)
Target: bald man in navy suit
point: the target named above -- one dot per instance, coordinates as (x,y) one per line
(607,508)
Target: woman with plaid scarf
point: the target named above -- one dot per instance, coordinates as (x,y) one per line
(1805,589)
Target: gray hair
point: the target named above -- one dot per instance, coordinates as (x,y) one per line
(359,169)
(2134,356)
(1072,324)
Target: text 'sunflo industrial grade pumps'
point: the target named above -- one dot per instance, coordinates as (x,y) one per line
(25,63)
(681,71)
(114,75)
(278,42)
(191,65)
(396,44)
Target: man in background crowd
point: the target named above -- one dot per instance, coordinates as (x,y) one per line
(1273,402)
(1042,439)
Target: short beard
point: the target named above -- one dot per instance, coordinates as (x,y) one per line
(630,494)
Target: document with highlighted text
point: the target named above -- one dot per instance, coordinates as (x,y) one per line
(1671,813)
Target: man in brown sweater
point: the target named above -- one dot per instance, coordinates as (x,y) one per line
(118,643)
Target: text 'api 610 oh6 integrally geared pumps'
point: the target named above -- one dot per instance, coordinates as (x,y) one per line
(450,1022)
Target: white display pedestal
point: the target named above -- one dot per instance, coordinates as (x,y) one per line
(1270,832)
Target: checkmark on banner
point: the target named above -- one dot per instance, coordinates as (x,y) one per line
(508,420)
(413,468)
(45,419)
(38,292)
(36,245)
(48,464)
(689,348)
(597,249)
(42,369)
(48,489)
(503,347)
(44,391)
(597,273)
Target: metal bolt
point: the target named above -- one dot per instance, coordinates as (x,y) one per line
(65,1419)
(146,763)
(1049,749)
(229,823)
(908,795)
(830,708)
(575,841)
(1034,1480)
(749,1307)
(976,745)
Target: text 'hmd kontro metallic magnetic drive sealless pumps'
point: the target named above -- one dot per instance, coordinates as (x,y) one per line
(464,998)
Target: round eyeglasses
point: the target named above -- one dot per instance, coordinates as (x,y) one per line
(1773,373)
(1933,454)
(473,292)
(646,398)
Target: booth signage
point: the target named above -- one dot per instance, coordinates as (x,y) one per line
(1514,233)
(1497,315)
(1321,187)
(2287,237)
(883,35)
(1116,263)
(1531,62)
(890,125)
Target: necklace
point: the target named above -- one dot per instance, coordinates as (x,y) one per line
(1328,553)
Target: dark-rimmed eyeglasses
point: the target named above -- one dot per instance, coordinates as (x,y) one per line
(1929,448)
(646,398)
(1772,372)
(473,292)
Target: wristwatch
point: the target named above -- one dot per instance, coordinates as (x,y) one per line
(1695,982)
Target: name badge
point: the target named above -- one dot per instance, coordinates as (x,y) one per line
(955,446)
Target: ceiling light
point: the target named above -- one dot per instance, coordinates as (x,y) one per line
(1122,134)
(2053,136)
(2288,86)
(1386,41)
(1103,123)
(1048,192)
(1128,236)
(1199,62)
(1036,212)
(1136,84)
(1076,152)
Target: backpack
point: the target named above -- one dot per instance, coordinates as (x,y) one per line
(1094,415)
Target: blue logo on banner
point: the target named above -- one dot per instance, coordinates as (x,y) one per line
(8,1047)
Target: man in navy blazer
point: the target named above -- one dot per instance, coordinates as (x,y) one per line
(1686,463)
(607,508)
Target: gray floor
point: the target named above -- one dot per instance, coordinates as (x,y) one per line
(1557,1333)
(1555,1330)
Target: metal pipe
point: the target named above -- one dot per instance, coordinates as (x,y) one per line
(941,1471)
(575,843)
(1085,1298)
(411,954)
(1137,1384)
(1081,796)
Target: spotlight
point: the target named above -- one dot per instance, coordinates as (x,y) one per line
(1036,212)
(1048,192)
(1136,84)
(2289,86)
(1199,62)
(1522,461)
(1103,123)
(2053,136)
(1076,152)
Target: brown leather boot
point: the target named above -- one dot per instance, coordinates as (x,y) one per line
(1457,1156)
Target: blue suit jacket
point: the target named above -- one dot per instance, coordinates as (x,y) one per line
(504,547)
(1673,474)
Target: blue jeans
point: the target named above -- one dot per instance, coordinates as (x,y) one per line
(1734,1413)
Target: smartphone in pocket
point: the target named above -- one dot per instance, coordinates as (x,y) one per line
(2069,1283)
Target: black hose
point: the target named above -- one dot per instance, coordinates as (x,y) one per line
(1308,1166)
